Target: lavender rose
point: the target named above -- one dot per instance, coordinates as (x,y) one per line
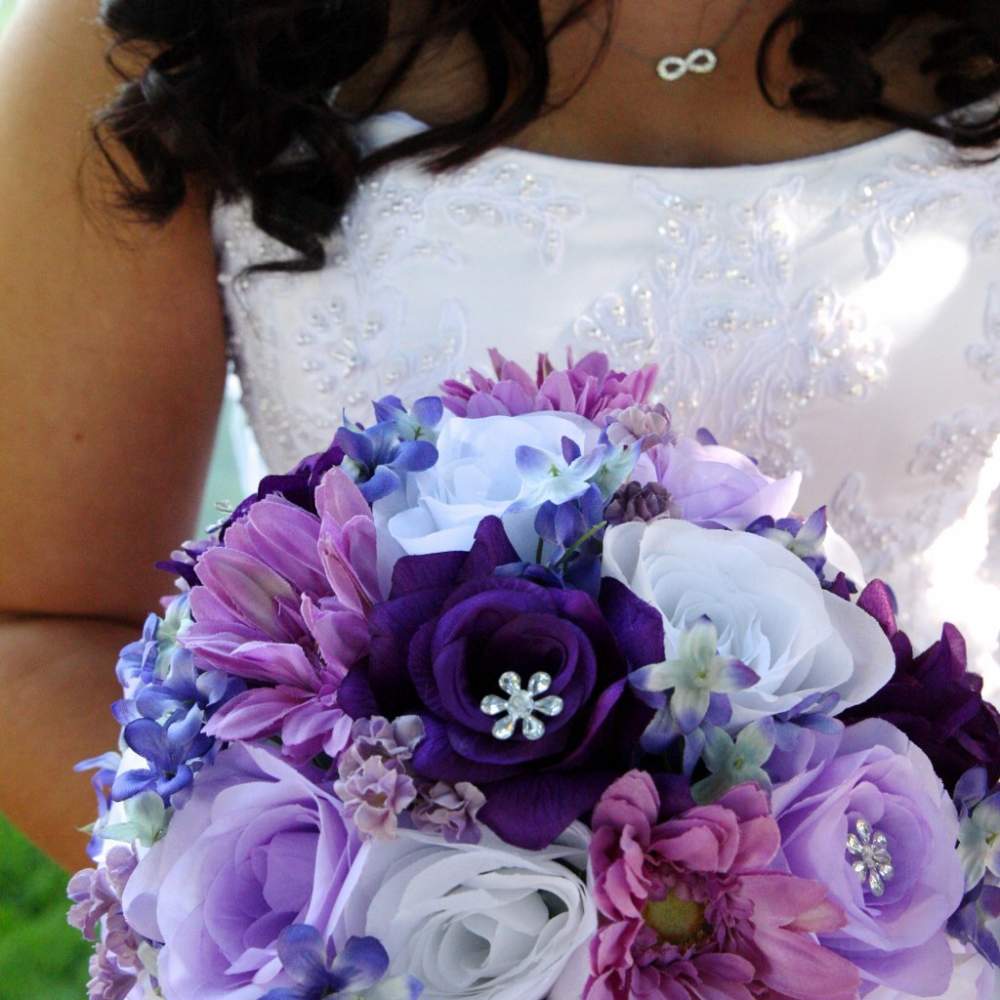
(258,847)
(448,646)
(878,805)
(708,482)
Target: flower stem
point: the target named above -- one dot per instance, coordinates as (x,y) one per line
(580,542)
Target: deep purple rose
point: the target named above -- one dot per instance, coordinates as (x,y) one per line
(933,698)
(874,824)
(441,647)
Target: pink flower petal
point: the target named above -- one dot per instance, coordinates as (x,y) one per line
(248,588)
(796,964)
(760,841)
(338,498)
(780,900)
(632,799)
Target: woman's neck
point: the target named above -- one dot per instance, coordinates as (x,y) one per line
(610,105)
(625,113)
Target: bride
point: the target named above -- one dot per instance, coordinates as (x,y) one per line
(776,201)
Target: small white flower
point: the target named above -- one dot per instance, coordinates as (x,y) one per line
(145,821)
(546,477)
(696,672)
(979,841)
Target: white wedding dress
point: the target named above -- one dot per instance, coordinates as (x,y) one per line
(838,314)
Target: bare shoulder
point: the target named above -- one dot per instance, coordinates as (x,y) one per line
(113,342)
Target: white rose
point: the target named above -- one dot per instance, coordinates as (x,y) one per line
(766,605)
(476,475)
(573,979)
(483,921)
(973,979)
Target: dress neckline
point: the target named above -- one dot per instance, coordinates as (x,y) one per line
(391,126)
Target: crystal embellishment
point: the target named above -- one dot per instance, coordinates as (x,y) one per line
(520,705)
(872,861)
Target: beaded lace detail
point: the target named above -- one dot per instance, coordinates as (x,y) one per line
(743,349)
(839,314)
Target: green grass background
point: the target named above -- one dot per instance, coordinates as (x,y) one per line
(41,957)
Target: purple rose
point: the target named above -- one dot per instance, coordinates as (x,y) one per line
(934,698)
(708,482)
(257,847)
(521,687)
(876,826)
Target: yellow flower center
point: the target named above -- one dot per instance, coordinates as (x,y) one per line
(679,921)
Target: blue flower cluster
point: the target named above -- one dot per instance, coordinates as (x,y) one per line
(357,973)
(571,499)
(378,457)
(167,702)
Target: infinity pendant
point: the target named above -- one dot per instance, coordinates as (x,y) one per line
(672,68)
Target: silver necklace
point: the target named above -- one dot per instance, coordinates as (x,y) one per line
(701,60)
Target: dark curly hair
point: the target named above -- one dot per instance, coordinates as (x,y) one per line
(238,92)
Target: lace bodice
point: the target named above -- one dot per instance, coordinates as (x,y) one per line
(839,314)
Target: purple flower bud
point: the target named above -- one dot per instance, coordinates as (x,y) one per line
(635,502)
(375,795)
(96,896)
(92,896)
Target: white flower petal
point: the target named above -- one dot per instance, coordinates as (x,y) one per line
(842,558)
(766,605)
(476,476)
(874,660)
(483,921)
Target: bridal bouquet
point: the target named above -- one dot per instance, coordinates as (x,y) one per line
(516,694)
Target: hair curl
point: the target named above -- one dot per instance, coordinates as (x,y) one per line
(238,92)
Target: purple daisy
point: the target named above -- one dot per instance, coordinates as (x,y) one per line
(587,387)
(283,604)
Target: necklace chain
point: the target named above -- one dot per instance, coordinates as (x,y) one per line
(701,60)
